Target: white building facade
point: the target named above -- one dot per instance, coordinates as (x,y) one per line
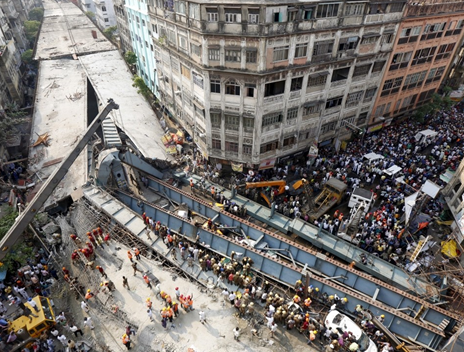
(104,13)
(142,44)
(259,82)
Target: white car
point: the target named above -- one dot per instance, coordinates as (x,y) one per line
(342,323)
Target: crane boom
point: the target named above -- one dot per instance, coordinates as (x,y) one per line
(15,232)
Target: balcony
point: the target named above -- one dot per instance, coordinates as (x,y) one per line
(274,99)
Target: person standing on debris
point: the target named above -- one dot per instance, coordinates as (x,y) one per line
(150,315)
(84,307)
(134,266)
(129,255)
(126,341)
(202,317)
(191,184)
(125,283)
(89,295)
(102,271)
(175,309)
(64,340)
(147,280)
(236,332)
(88,322)
(76,330)
(137,253)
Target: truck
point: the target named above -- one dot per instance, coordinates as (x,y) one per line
(29,328)
(332,194)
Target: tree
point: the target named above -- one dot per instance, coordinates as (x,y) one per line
(142,88)
(31,28)
(36,14)
(27,56)
(109,32)
(130,58)
(90,15)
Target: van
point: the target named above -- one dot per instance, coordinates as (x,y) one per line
(342,323)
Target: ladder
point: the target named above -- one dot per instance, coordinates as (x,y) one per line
(355,218)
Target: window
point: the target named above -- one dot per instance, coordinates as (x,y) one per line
(212,15)
(311,108)
(216,144)
(348,43)
(280,53)
(215,118)
(386,38)
(328,127)
(322,48)
(277,16)
(445,51)
(370,93)
(426,95)
(377,8)
(247,149)
(308,13)
(175,65)
(215,86)
(362,119)
(328,10)
(379,111)
(354,99)
(378,66)
(213,54)
(251,56)
(408,101)
(248,123)
(291,14)
(292,113)
(232,122)
(195,49)
(354,9)
(233,15)
(423,55)
(272,119)
(250,90)
(104,8)
(340,74)
(317,80)
(269,147)
(435,74)
(361,70)
(301,50)
(432,31)
(182,42)
(396,7)
(232,88)
(185,71)
(414,80)
(274,88)
(296,84)
(289,141)
(391,86)
(400,60)
(253,18)
(194,11)
(143,23)
(146,44)
(107,20)
(334,102)
(369,39)
(233,55)
(409,35)
(179,7)
(197,79)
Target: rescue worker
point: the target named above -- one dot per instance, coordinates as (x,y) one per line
(102,271)
(129,255)
(137,253)
(126,341)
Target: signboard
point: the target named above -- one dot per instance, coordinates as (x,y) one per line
(267,164)
(375,128)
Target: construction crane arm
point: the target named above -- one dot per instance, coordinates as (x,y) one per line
(23,220)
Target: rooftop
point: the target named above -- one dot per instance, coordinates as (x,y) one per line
(65,31)
(111,78)
(61,111)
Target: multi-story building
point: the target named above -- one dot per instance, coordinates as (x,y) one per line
(424,48)
(261,81)
(16,19)
(10,61)
(104,13)
(142,42)
(87,5)
(123,25)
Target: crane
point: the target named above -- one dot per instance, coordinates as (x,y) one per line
(23,220)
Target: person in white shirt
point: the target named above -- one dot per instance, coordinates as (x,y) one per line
(88,322)
(64,340)
(202,317)
(236,332)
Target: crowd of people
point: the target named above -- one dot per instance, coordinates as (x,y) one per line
(381,232)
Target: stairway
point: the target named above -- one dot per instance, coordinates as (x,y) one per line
(110,133)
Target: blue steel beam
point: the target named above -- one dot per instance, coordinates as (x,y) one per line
(275,268)
(353,278)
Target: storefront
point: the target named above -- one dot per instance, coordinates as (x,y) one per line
(293,159)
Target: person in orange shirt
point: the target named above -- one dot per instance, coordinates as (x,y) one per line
(190,303)
(149,303)
(168,299)
(147,280)
(129,255)
(89,294)
(137,253)
(169,314)
(175,308)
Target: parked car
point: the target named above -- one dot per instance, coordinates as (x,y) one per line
(342,323)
